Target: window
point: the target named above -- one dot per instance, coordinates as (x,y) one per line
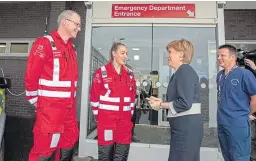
(15,47)
(19,48)
(94,63)
(2,47)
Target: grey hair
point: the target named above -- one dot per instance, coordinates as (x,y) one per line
(65,14)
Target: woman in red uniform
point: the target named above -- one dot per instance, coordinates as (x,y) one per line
(112,96)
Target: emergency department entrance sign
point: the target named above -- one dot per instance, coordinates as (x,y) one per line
(153,10)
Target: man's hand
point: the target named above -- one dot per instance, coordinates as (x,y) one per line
(252,117)
(250,63)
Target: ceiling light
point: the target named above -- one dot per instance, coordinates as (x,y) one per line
(99,48)
(135,49)
(136,57)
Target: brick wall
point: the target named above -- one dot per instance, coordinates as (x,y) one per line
(240,24)
(20,20)
(27,20)
(23,19)
(16,105)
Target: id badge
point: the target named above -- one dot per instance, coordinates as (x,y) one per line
(219,96)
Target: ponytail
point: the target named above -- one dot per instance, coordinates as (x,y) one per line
(114,47)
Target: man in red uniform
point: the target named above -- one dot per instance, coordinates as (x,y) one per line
(51,81)
(112,96)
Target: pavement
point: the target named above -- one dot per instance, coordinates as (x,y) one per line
(19,138)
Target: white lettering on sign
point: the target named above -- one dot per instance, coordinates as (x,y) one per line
(130,8)
(154,10)
(126,14)
(167,8)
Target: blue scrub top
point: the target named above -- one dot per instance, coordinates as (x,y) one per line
(234,91)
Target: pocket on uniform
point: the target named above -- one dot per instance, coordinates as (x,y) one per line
(51,129)
(241,142)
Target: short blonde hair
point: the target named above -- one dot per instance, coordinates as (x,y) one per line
(183,46)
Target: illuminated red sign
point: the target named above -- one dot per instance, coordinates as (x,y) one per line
(153,10)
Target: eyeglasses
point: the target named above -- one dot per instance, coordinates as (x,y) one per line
(77,24)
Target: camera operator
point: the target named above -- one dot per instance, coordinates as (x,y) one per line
(252,66)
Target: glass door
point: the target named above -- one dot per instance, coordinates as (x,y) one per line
(148,57)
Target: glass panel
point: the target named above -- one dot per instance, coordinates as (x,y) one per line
(2,47)
(97,60)
(204,62)
(150,66)
(19,48)
(138,40)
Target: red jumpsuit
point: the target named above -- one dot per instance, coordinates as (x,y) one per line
(51,81)
(112,98)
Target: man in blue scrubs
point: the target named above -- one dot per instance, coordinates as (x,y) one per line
(236,103)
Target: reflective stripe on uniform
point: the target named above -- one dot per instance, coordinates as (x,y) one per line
(58,94)
(114,99)
(113,107)
(106,97)
(51,40)
(55,82)
(104,75)
(33,100)
(55,140)
(95,112)
(31,93)
(95,104)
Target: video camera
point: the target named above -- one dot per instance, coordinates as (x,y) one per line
(242,54)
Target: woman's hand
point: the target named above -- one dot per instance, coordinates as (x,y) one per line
(155,103)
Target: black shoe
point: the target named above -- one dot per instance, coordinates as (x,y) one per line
(134,139)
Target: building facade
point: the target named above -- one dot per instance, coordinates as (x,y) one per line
(22,22)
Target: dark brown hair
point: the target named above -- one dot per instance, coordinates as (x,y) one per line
(114,47)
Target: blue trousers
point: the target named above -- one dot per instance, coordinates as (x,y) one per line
(235,142)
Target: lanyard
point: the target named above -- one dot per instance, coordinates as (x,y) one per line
(219,82)
(225,76)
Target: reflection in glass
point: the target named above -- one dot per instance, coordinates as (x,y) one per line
(152,73)
(19,48)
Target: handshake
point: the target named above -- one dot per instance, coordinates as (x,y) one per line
(155,103)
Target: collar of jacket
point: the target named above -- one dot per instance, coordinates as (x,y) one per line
(57,37)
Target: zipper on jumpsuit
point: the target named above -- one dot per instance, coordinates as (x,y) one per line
(121,97)
(72,78)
